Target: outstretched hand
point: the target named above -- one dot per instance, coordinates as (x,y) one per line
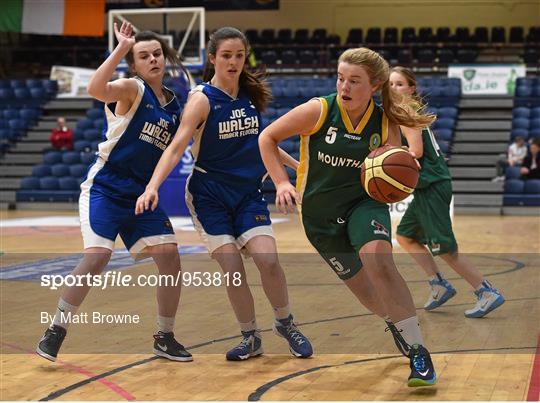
(148,200)
(124,36)
(286,198)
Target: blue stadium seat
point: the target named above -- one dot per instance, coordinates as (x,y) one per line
(532,186)
(11,113)
(534,123)
(82,146)
(6,96)
(519,132)
(71,157)
(535,112)
(41,170)
(95,113)
(513,186)
(444,146)
(94,144)
(59,170)
(448,112)
(523,91)
(88,158)
(34,83)
(30,183)
(92,134)
(444,134)
(521,112)
(49,183)
(68,183)
(78,170)
(22,94)
(451,91)
(51,87)
(17,84)
(29,114)
(512,172)
(520,123)
(99,123)
(52,157)
(84,124)
(38,94)
(534,134)
(444,123)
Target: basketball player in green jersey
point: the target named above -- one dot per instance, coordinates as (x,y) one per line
(350,230)
(427,219)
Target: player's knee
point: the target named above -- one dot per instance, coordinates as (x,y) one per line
(268,264)
(95,262)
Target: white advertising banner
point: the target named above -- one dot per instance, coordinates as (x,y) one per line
(398,209)
(72,81)
(487,79)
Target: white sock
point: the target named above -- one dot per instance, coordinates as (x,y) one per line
(410,330)
(282,313)
(436,276)
(248,326)
(64,314)
(165,324)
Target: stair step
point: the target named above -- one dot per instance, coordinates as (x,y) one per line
(35,135)
(21,159)
(59,104)
(472,172)
(8,196)
(10,183)
(33,147)
(479,148)
(471,136)
(486,103)
(485,114)
(16,170)
(497,125)
(476,186)
(473,160)
(469,200)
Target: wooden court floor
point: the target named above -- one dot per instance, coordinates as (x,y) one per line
(494,358)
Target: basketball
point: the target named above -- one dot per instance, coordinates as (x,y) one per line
(389,174)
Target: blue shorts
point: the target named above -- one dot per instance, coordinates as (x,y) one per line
(223,214)
(103,218)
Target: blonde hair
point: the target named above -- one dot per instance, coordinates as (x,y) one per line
(402,110)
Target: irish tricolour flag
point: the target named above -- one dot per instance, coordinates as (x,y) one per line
(53,17)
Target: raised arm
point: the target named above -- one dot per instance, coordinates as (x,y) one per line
(301,120)
(195,113)
(123,90)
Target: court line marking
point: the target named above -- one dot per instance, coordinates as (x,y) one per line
(533,395)
(109,384)
(261,390)
(53,395)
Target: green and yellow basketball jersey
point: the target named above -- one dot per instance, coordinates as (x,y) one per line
(433,166)
(328,177)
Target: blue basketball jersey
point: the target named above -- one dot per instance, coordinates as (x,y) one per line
(226,147)
(133,144)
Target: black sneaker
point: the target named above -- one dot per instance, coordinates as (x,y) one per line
(166,346)
(401,344)
(422,371)
(51,342)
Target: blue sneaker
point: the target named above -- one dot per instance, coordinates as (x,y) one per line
(422,371)
(299,344)
(489,299)
(441,291)
(250,346)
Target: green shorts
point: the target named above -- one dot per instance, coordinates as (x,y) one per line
(339,239)
(427,218)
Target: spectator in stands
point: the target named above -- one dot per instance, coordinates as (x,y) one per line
(142,117)
(530,169)
(514,157)
(426,230)
(61,136)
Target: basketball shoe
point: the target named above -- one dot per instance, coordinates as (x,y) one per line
(250,346)
(441,291)
(166,346)
(489,299)
(299,344)
(422,371)
(50,343)
(401,344)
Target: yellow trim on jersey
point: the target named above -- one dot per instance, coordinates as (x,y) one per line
(384,129)
(303,168)
(347,121)
(322,117)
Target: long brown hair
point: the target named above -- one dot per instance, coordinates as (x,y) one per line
(402,110)
(253,83)
(169,53)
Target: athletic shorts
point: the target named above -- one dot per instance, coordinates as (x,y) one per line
(339,239)
(223,214)
(427,218)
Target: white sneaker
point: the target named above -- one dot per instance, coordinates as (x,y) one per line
(441,291)
(489,299)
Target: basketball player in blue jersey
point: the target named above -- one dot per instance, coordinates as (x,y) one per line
(426,227)
(223,192)
(142,117)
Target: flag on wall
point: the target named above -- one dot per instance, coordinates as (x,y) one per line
(53,17)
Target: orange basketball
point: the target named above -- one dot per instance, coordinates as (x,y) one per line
(389,174)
